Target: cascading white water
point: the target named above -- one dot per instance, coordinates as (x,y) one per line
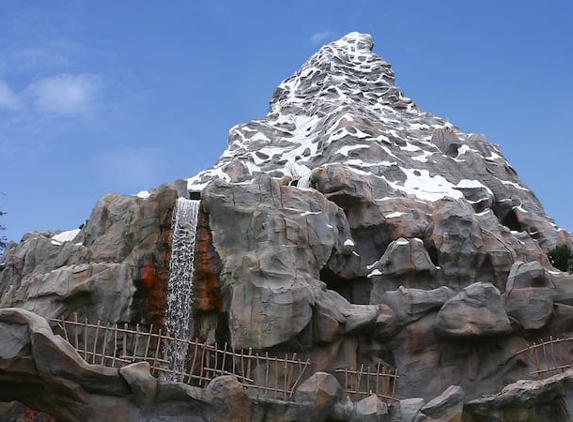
(178,310)
(304,181)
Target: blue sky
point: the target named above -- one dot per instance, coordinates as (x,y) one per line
(120,96)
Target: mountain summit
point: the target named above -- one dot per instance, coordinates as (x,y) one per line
(343,108)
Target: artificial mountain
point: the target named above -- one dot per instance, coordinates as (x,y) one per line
(348,226)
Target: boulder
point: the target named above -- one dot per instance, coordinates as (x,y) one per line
(405,256)
(408,409)
(370,409)
(526,275)
(531,307)
(324,391)
(405,262)
(447,407)
(457,238)
(477,311)
(229,399)
(409,305)
(563,287)
(141,382)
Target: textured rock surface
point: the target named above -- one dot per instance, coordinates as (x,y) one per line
(550,399)
(370,409)
(477,311)
(113,269)
(448,406)
(346,225)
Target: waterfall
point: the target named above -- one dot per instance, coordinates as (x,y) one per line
(178,310)
(304,181)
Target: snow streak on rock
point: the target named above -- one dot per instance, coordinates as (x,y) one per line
(178,312)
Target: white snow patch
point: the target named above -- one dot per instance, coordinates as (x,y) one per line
(420,184)
(410,147)
(493,157)
(143,194)
(418,126)
(463,149)
(520,208)
(374,273)
(304,214)
(66,236)
(395,214)
(515,185)
(487,211)
(467,183)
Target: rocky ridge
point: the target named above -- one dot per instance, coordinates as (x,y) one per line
(347,225)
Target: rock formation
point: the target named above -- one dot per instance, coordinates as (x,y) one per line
(347,225)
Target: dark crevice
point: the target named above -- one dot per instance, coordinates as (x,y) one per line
(433,253)
(356,291)
(223,332)
(452,150)
(511,222)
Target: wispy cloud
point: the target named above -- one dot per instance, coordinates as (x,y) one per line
(319,37)
(39,58)
(65,94)
(8,98)
(130,169)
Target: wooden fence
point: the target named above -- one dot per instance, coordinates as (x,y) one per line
(550,356)
(364,382)
(261,374)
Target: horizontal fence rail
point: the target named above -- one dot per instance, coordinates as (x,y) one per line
(262,375)
(550,356)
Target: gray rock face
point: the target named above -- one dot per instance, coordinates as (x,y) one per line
(347,225)
(95,270)
(539,400)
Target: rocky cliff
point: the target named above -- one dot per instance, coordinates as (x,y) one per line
(347,225)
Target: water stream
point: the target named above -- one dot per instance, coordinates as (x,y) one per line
(178,310)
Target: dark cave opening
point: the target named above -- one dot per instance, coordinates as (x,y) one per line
(433,253)
(511,222)
(356,291)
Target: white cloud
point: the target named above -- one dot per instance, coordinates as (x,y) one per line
(320,36)
(65,94)
(9,99)
(130,169)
